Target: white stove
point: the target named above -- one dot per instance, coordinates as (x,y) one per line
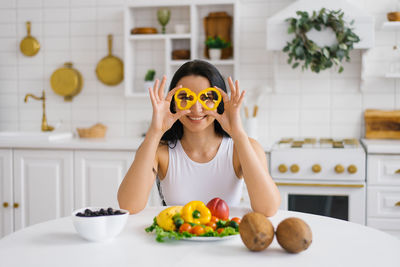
(324,159)
(321,176)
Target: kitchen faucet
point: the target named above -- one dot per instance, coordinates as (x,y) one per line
(45,126)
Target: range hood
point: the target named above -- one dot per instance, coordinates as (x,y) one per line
(363,26)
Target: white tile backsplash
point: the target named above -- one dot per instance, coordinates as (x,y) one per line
(295,104)
(55,15)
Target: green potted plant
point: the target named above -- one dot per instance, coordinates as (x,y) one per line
(149,78)
(215,45)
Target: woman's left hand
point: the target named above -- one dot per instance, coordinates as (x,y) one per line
(230,120)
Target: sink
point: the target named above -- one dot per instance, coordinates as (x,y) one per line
(35,136)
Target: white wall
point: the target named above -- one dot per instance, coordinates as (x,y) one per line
(304,104)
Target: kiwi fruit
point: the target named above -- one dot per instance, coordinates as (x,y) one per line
(256,231)
(294,235)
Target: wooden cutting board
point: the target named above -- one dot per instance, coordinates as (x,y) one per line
(382,124)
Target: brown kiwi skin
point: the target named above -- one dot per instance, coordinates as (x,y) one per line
(294,235)
(256,231)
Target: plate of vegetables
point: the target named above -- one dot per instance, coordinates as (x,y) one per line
(197,222)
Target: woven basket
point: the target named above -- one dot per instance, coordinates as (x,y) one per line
(96,131)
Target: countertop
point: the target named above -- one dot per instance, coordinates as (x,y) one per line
(117,143)
(112,143)
(335,243)
(381,146)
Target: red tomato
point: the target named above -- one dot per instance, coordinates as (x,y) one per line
(198,230)
(236,219)
(185,228)
(218,208)
(220,230)
(211,224)
(214,219)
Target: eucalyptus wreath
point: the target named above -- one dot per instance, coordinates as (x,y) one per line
(302,50)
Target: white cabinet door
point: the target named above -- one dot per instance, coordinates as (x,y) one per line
(6,192)
(98,175)
(43,185)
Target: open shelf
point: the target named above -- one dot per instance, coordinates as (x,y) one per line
(143,52)
(159,36)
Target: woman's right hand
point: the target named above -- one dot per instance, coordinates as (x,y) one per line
(163,118)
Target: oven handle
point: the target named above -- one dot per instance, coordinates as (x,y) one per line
(321,185)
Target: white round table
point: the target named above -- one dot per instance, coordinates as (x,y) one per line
(335,243)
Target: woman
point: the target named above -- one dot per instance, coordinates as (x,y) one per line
(197,153)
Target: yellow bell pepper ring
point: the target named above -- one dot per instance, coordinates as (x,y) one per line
(196,212)
(186,98)
(207,98)
(185,94)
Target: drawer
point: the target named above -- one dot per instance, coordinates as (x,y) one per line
(390,226)
(383,170)
(383,201)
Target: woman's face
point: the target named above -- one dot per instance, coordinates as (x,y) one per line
(196,120)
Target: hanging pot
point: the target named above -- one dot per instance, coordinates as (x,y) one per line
(29,46)
(66,81)
(110,69)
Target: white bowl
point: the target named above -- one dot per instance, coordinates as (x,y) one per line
(181,28)
(99,228)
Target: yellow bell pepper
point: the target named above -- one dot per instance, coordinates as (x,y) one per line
(165,220)
(196,212)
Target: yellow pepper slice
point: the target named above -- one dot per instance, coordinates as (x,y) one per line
(204,93)
(185,95)
(196,212)
(186,98)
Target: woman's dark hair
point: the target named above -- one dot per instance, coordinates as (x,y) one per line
(197,68)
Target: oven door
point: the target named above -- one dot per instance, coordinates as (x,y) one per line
(341,201)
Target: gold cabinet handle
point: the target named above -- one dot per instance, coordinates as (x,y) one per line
(294,168)
(282,168)
(398,171)
(352,169)
(397,204)
(5,204)
(339,168)
(316,168)
(16,205)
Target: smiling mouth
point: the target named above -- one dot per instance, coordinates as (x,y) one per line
(196,118)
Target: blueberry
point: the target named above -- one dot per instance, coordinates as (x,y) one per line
(80,214)
(102,212)
(110,211)
(117,212)
(88,212)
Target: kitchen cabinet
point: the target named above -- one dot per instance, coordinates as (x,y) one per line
(383,193)
(394,66)
(36,187)
(154,51)
(98,175)
(6,192)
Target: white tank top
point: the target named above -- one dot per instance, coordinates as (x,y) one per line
(187,180)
